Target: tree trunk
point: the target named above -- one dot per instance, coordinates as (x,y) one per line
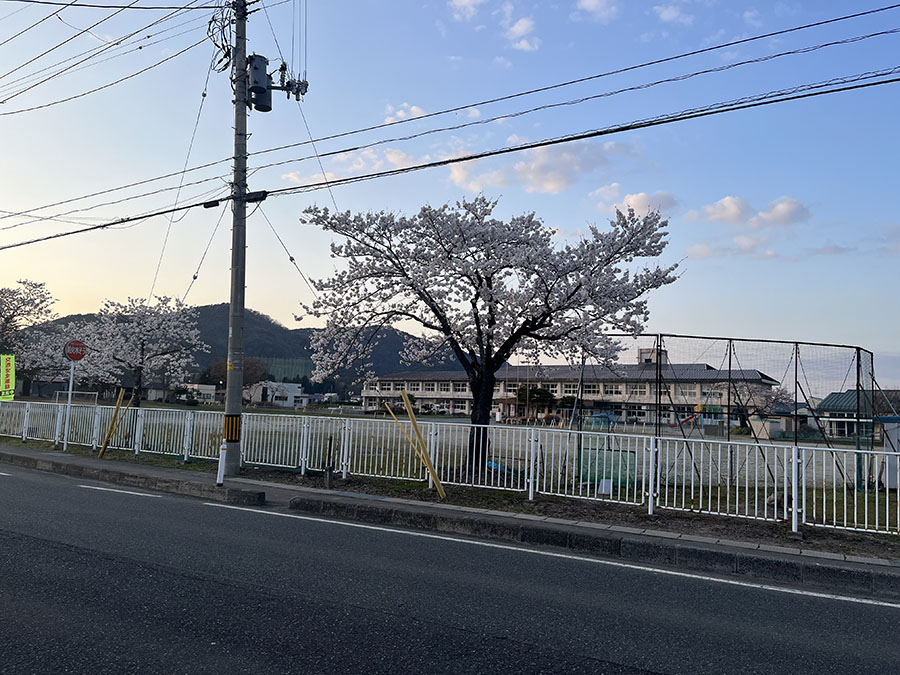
(138,385)
(482,385)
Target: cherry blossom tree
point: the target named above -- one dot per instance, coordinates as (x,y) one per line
(22,306)
(483,288)
(145,340)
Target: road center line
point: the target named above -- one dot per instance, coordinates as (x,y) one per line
(5,474)
(568,556)
(124,492)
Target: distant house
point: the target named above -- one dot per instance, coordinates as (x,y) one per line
(842,412)
(277,394)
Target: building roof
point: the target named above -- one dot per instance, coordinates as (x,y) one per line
(846,401)
(626,372)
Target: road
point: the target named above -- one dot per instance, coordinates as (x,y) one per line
(101,581)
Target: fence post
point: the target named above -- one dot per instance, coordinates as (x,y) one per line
(304,446)
(795,496)
(188,435)
(139,431)
(95,434)
(529,464)
(59,419)
(345,449)
(651,497)
(25,422)
(430,450)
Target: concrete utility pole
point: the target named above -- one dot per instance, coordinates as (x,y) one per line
(235,374)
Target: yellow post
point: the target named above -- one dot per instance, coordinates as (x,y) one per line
(114,422)
(420,448)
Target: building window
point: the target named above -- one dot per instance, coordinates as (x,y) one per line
(412,386)
(428,386)
(460,387)
(570,389)
(443,386)
(614,389)
(639,389)
(552,387)
(591,389)
(686,390)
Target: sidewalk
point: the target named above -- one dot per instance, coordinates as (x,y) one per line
(810,570)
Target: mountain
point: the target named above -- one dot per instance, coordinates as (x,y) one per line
(285,350)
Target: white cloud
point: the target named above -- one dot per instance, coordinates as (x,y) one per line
(602,11)
(503,62)
(753,18)
(464,10)
(642,202)
(607,193)
(672,14)
(748,244)
(473,113)
(701,251)
(401,112)
(518,32)
(364,160)
(398,158)
(462,176)
(552,169)
(314,179)
(831,249)
(782,212)
(731,210)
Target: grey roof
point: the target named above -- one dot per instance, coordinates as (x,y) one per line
(630,372)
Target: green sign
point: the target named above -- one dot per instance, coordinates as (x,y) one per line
(7,377)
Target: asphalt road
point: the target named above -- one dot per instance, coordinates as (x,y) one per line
(96,581)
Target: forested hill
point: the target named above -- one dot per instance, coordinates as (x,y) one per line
(268,339)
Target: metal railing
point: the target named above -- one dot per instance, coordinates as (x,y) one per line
(852,489)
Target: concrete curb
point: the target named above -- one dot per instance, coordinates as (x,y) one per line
(809,572)
(209,491)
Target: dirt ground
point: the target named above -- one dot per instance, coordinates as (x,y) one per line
(866,544)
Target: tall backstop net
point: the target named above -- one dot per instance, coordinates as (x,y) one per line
(695,387)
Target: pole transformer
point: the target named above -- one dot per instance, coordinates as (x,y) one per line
(235,365)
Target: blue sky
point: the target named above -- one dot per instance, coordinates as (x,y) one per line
(782,216)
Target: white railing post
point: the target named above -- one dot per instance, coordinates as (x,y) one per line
(529,465)
(139,431)
(25,421)
(345,449)
(651,486)
(795,496)
(188,434)
(95,432)
(59,419)
(304,446)
(429,448)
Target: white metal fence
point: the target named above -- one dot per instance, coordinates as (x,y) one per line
(821,487)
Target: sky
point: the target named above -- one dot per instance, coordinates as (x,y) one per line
(781,216)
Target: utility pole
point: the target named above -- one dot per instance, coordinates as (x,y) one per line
(234,386)
(253,86)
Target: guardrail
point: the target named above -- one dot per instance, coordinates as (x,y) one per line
(813,486)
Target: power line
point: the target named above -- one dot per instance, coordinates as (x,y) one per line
(107,47)
(744,103)
(120,43)
(97,6)
(715,109)
(105,86)
(35,24)
(186,160)
(608,73)
(469,105)
(205,251)
(66,41)
(290,257)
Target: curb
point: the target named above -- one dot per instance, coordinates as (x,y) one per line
(212,492)
(809,572)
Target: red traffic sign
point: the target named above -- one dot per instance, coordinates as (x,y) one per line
(75,350)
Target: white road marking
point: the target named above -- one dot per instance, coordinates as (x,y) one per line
(568,556)
(124,492)
(5,474)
